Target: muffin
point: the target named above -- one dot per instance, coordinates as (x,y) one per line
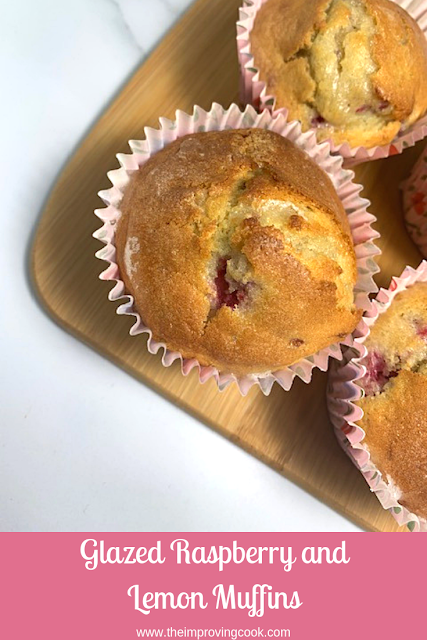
(237,251)
(395,399)
(356,70)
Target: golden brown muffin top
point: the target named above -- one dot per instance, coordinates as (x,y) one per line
(354,69)
(237,251)
(395,404)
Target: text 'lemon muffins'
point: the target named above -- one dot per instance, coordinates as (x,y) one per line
(356,70)
(237,251)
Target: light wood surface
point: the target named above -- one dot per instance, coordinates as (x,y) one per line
(196,63)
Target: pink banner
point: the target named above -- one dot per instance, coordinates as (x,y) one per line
(204,585)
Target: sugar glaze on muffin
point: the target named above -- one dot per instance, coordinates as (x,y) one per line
(354,69)
(395,402)
(237,251)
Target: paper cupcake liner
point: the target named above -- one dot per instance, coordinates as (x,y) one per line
(255,92)
(415,203)
(343,392)
(217,119)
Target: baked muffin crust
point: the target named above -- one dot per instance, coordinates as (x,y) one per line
(395,404)
(354,69)
(237,251)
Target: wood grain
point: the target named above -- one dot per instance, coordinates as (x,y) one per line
(196,63)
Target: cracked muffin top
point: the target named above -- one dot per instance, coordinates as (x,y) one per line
(356,70)
(237,251)
(395,401)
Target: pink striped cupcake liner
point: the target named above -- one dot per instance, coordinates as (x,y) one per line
(415,203)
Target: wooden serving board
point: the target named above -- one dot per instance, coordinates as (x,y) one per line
(196,63)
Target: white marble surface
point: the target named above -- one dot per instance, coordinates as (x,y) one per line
(68,460)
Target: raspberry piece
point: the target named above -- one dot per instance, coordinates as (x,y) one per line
(367,107)
(229,293)
(317,121)
(377,373)
(421,330)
